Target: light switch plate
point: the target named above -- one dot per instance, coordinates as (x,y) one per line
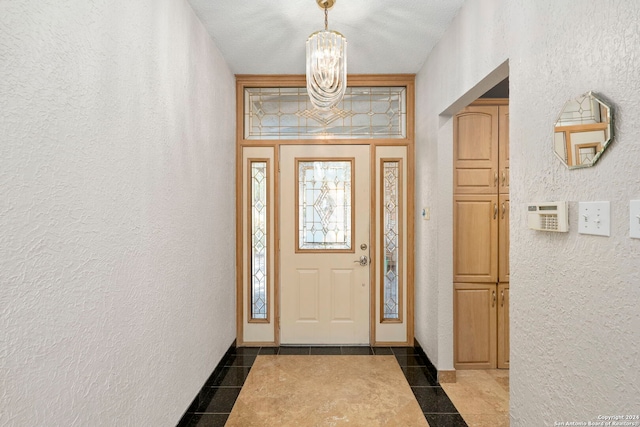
(594,218)
(634,219)
(426,214)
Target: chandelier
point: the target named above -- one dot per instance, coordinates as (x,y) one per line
(326,64)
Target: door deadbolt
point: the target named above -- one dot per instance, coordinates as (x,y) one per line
(363,246)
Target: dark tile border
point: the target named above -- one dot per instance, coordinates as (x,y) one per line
(219,400)
(382,351)
(268,351)
(326,351)
(434,400)
(445,420)
(430,367)
(201,396)
(295,350)
(438,409)
(209,420)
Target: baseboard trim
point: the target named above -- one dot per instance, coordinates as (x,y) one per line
(447,376)
(441,376)
(186,417)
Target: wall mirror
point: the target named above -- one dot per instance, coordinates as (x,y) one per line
(583,131)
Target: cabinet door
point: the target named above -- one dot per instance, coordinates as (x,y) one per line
(475,136)
(503,326)
(503,239)
(503,162)
(474,323)
(475,238)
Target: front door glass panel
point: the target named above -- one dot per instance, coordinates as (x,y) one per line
(324,205)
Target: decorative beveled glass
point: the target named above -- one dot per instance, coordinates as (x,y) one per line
(391,218)
(259,245)
(287,113)
(324,205)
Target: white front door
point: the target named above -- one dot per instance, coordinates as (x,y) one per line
(324,244)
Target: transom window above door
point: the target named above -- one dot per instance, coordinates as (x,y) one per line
(287,113)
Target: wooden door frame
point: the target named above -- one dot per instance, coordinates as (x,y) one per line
(390,80)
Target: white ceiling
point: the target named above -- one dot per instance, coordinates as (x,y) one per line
(268,37)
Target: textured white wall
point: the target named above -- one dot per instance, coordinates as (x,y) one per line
(450,76)
(575,321)
(116,211)
(575,298)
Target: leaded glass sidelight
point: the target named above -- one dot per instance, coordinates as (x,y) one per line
(324,205)
(259,242)
(391,226)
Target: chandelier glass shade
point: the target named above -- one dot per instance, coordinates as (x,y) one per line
(326,66)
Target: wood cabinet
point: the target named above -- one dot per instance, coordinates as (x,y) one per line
(481,150)
(475,325)
(503,325)
(481,325)
(475,228)
(475,150)
(503,239)
(503,148)
(481,236)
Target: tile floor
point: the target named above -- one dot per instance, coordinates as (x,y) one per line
(222,389)
(482,397)
(326,390)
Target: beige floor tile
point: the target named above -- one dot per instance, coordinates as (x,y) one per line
(486,420)
(502,377)
(481,397)
(327,391)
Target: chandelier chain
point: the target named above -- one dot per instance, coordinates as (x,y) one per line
(326,17)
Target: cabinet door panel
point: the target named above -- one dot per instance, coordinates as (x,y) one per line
(474,179)
(503,162)
(503,326)
(475,135)
(475,243)
(475,330)
(503,240)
